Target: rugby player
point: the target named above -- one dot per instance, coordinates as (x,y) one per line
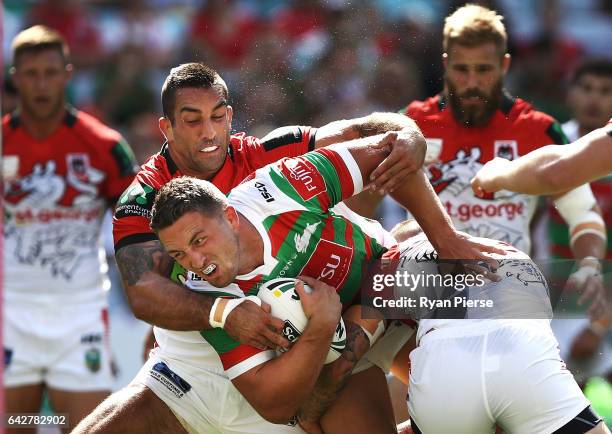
(62,170)
(505,367)
(288,231)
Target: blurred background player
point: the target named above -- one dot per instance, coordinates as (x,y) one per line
(475,119)
(62,170)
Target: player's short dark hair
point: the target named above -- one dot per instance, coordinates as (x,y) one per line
(599,66)
(183,195)
(39,38)
(187,75)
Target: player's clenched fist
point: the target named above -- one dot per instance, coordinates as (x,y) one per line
(253,325)
(322,306)
(488,179)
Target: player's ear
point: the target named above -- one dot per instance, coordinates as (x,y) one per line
(506,63)
(230,115)
(165,126)
(69,70)
(232,217)
(445,60)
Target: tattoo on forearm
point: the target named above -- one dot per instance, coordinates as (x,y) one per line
(379,123)
(334,376)
(135,260)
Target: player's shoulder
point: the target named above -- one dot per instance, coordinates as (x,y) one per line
(525,117)
(91,128)
(524,112)
(158,169)
(276,138)
(427,107)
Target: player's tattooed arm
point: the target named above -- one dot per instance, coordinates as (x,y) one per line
(333,377)
(145,269)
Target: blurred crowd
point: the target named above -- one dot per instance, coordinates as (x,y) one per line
(296,62)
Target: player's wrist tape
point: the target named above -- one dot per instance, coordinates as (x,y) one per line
(373,337)
(222,307)
(576,209)
(589,267)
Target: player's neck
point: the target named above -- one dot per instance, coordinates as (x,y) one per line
(251,246)
(41,128)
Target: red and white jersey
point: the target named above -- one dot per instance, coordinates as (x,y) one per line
(457,152)
(56,191)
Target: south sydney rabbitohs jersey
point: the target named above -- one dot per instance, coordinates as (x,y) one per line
(56,191)
(459,152)
(288,203)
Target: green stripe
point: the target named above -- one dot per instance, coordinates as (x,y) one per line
(555,132)
(219,340)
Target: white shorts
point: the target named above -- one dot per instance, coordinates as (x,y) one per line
(508,373)
(204,401)
(386,348)
(66,348)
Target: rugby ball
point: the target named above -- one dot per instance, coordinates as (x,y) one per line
(285,304)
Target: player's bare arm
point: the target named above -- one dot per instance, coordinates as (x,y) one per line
(550,169)
(277,388)
(419,198)
(407,153)
(334,376)
(144,267)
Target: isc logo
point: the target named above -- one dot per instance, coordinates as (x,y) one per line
(290,331)
(264,192)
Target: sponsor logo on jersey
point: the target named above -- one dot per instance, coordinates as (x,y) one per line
(91,338)
(507,149)
(171,380)
(93,359)
(137,200)
(303,177)
(329,263)
(263,191)
(302,241)
(466,211)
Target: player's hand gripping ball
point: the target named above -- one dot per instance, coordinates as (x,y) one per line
(285,304)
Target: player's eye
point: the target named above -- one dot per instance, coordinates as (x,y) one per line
(193,121)
(218,116)
(484,68)
(199,241)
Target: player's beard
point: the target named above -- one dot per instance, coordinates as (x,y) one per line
(474,115)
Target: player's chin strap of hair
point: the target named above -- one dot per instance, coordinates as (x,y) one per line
(576,207)
(222,307)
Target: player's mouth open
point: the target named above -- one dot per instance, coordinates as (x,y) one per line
(209,149)
(209,270)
